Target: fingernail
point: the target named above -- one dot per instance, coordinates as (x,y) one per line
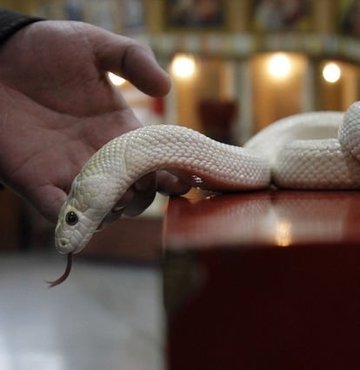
(118,209)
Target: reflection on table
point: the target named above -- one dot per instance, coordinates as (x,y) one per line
(237,299)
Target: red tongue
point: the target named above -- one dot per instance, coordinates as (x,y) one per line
(65,275)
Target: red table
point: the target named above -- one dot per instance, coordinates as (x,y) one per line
(263,280)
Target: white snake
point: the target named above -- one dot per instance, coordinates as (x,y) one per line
(326,157)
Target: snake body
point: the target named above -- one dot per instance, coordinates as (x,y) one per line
(322,159)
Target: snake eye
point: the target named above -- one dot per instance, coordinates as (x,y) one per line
(71,218)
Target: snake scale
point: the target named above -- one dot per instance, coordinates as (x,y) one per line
(318,150)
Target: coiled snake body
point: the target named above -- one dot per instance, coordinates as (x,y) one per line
(324,158)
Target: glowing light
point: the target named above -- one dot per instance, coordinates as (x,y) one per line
(283,234)
(279,66)
(115,79)
(183,66)
(331,72)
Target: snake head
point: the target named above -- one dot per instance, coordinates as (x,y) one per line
(72,231)
(82,213)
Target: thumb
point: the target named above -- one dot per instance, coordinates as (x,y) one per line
(133,61)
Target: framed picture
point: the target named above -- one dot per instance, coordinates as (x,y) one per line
(103,13)
(74,10)
(282,15)
(133,17)
(51,10)
(195,14)
(349,22)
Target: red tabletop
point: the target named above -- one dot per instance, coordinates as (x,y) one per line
(258,219)
(263,280)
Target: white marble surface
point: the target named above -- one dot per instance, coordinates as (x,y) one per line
(104,317)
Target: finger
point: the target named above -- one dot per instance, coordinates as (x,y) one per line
(48,201)
(111,217)
(141,202)
(131,60)
(118,210)
(169,184)
(125,200)
(144,194)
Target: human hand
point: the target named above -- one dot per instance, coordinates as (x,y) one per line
(57,108)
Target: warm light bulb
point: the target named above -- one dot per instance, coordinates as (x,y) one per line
(279,66)
(183,66)
(331,72)
(115,79)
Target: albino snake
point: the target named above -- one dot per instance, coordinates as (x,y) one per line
(325,157)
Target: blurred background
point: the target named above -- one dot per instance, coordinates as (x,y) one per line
(236,66)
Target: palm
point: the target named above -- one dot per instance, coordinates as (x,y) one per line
(58,107)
